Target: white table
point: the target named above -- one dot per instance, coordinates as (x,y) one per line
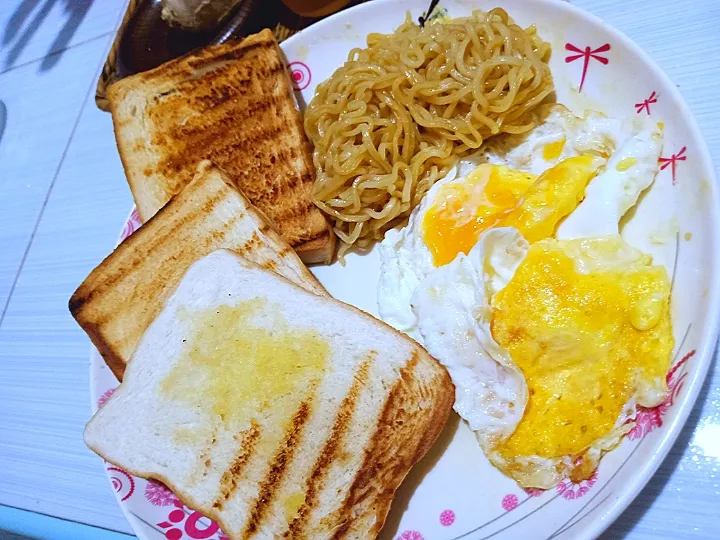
(63,199)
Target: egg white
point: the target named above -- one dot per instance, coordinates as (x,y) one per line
(405,261)
(613,192)
(594,133)
(453,312)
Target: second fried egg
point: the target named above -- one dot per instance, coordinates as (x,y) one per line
(588,324)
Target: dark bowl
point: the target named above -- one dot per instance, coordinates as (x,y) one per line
(148,41)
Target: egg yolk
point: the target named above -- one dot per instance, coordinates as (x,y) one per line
(497,196)
(553,150)
(468,208)
(585,342)
(625,164)
(556,194)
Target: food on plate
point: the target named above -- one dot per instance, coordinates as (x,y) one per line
(550,347)
(120,298)
(197,15)
(271,410)
(398,114)
(231,104)
(632,145)
(494,195)
(276,410)
(513,273)
(596,342)
(479,193)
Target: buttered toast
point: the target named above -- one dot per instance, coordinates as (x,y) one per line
(273,411)
(120,298)
(232,104)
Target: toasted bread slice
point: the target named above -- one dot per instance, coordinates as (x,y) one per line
(231,104)
(121,297)
(273,411)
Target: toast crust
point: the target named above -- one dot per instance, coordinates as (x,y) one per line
(144,269)
(231,104)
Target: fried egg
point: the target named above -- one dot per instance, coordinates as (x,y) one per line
(632,145)
(512,273)
(457,210)
(454,315)
(550,347)
(597,338)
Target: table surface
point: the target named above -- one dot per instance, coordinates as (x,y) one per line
(64,199)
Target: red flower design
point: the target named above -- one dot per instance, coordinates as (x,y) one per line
(510,502)
(586,54)
(158,494)
(645,104)
(534,492)
(410,535)
(647,420)
(672,161)
(131,225)
(104,398)
(183,519)
(570,490)
(447,518)
(122,482)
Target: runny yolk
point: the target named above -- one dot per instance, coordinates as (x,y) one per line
(497,196)
(553,150)
(468,208)
(554,195)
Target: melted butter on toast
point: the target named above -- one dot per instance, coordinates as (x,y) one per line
(241,360)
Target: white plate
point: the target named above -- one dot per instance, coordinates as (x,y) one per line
(455,493)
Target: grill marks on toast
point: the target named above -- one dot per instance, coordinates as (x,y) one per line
(395,411)
(384,460)
(208,214)
(254,243)
(232,104)
(204,120)
(295,211)
(204,460)
(331,448)
(281,461)
(150,245)
(229,481)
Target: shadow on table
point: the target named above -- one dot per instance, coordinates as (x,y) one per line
(627,521)
(18,34)
(3,118)
(5,535)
